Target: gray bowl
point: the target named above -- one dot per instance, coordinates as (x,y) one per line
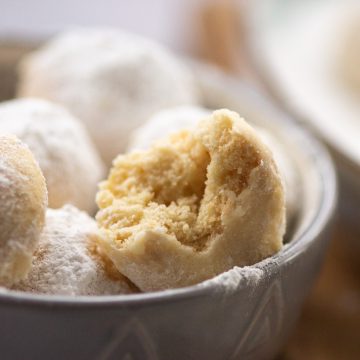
(242,314)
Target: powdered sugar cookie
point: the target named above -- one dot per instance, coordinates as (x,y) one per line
(61,145)
(111,80)
(67,261)
(164,123)
(23,200)
(192,206)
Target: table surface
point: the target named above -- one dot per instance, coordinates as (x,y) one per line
(329,327)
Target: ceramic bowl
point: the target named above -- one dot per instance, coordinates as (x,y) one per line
(242,314)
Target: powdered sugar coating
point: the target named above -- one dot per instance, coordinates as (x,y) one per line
(66,261)
(111,80)
(61,145)
(23,200)
(164,123)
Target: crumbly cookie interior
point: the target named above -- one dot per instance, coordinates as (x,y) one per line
(180,186)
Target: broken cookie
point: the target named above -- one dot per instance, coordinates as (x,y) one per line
(192,206)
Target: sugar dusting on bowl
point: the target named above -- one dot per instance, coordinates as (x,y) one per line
(237,277)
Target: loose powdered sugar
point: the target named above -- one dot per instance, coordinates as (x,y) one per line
(230,281)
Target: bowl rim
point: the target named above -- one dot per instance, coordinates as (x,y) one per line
(318,224)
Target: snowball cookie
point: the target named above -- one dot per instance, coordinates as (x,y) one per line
(68,159)
(111,80)
(192,206)
(23,201)
(67,262)
(168,121)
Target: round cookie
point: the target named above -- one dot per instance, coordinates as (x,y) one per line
(60,143)
(23,201)
(168,121)
(111,80)
(67,261)
(165,122)
(192,206)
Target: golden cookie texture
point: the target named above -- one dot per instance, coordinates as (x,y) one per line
(194,205)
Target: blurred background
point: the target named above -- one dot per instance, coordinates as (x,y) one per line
(185,26)
(305,56)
